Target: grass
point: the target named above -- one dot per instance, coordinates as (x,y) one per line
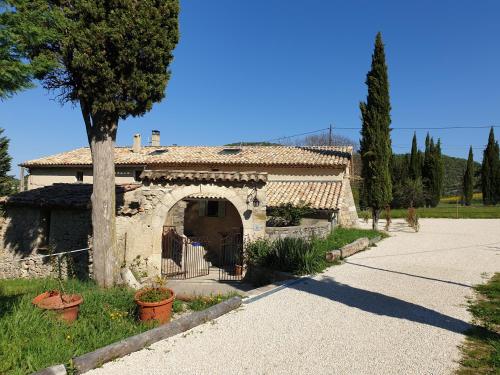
(481,351)
(343,236)
(450,211)
(31,339)
(300,256)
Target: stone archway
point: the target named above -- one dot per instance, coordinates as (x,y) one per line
(140,236)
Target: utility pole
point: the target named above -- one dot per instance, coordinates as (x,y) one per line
(330,136)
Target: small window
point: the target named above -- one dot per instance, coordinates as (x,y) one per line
(137,175)
(230,151)
(158,152)
(212,208)
(79,177)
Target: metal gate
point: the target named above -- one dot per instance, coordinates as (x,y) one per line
(232,259)
(183,257)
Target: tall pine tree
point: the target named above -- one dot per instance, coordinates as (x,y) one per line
(468,180)
(415,167)
(490,172)
(375,135)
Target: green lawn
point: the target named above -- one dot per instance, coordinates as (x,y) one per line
(31,339)
(451,211)
(343,236)
(481,351)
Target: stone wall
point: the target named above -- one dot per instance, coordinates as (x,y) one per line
(27,232)
(348,215)
(321,229)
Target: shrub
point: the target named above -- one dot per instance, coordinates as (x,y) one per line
(294,255)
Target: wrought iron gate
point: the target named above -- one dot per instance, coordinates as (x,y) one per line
(232,259)
(183,257)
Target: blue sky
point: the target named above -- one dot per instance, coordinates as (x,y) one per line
(256,70)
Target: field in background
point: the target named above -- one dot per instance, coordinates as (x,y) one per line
(449,211)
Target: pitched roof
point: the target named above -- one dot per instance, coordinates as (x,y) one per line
(318,156)
(320,195)
(62,196)
(173,175)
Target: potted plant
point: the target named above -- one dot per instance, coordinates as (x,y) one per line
(155,302)
(66,306)
(238,267)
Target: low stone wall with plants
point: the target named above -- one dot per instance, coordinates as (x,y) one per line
(319,230)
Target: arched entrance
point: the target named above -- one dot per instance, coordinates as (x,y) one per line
(203,237)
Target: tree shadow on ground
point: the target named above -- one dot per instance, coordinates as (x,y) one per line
(379,304)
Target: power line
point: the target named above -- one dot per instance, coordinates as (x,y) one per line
(329,129)
(298,135)
(430,128)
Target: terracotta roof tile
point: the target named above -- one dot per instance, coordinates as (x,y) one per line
(321,195)
(62,196)
(321,156)
(172,175)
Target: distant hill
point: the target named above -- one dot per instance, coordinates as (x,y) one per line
(453,172)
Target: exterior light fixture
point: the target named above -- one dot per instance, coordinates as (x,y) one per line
(256,201)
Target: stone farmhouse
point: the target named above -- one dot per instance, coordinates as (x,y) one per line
(180,209)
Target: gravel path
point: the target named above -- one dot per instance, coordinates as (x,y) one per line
(398,308)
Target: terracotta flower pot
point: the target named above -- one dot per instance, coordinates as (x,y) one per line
(238,270)
(66,306)
(160,311)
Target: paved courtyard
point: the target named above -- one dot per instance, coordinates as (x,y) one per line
(399,308)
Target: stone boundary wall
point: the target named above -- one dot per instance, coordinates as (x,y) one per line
(23,241)
(321,230)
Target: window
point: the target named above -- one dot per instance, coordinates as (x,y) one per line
(230,151)
(212,208)
(79,176)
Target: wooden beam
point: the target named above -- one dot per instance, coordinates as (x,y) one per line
(119,349)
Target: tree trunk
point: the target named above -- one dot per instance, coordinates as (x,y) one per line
(102,136)
(375,218)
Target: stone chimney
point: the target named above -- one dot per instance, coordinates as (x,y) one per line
(137,143)
(155,138)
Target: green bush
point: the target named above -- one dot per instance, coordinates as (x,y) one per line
(294,255)
(287,215)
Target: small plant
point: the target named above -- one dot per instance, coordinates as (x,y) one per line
(412,218)
(286,215)
(155,295)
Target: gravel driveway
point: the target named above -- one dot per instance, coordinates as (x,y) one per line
(398,308)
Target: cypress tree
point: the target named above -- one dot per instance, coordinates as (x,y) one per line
(375,135)
(468,180)
(415,164)
(427,171)
(6,182)
(438,173)
(489,171)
